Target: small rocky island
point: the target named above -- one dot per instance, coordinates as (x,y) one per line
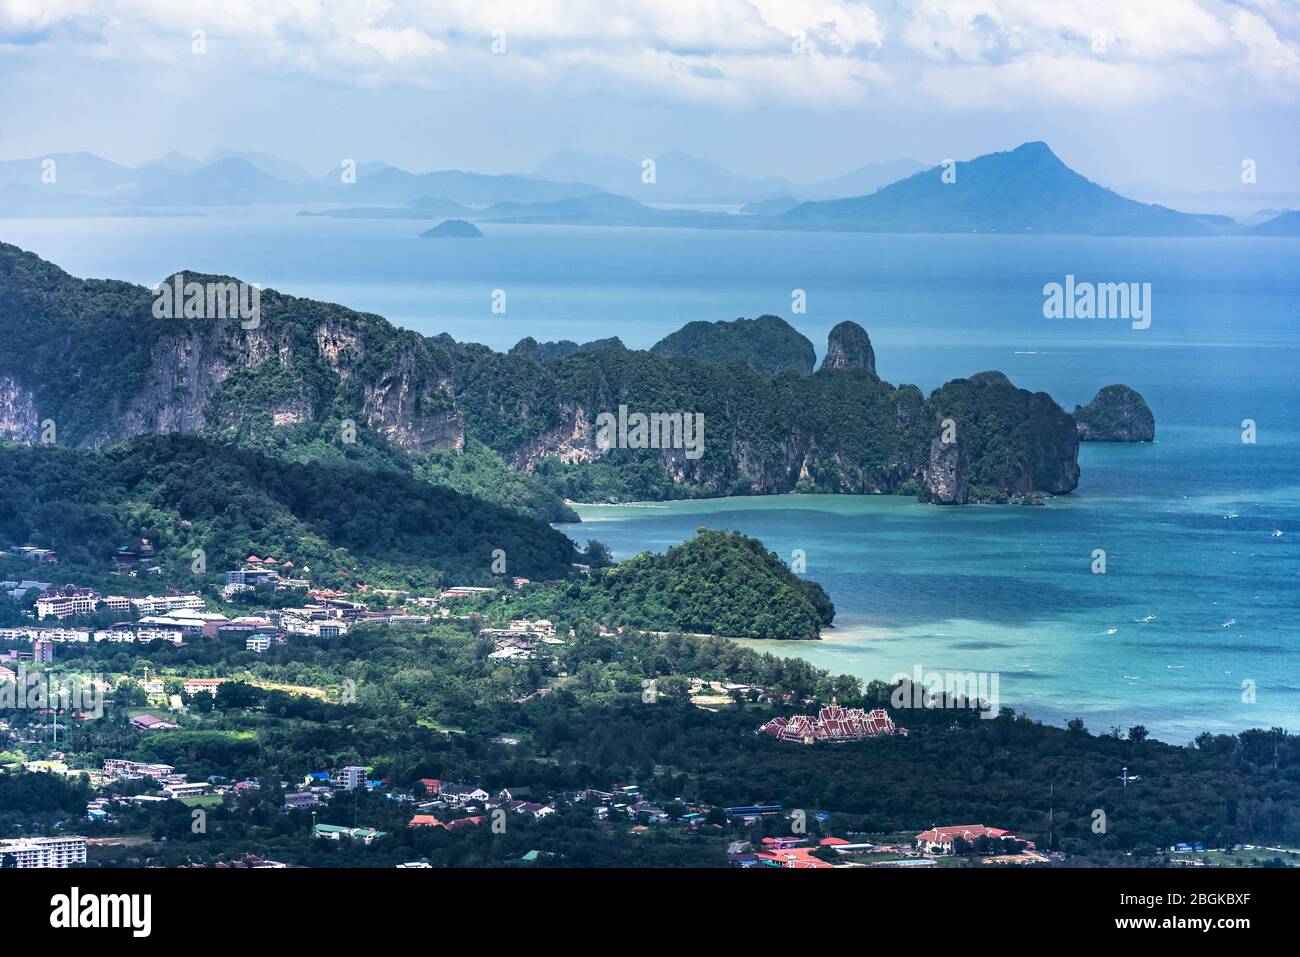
(1116,414)
(849,347)
(453,229)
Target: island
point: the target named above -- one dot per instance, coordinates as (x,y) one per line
(1116,414)
(453,229)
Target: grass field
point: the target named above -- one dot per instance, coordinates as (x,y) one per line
(202,800)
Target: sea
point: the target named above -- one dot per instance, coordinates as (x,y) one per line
(1194,625)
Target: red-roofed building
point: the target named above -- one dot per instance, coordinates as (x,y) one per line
(425,820)
(782,843)
(833,723)
(799,858)
(941,840)
(465,822)
(431,786)
(833,842)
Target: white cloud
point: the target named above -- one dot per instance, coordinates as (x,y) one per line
(1267,56)
(961,54)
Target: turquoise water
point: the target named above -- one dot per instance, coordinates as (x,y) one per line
(1199,593)
(1009,590)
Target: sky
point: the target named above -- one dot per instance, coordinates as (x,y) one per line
(1159,95)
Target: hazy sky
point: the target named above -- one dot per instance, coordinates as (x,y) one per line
(1175,93)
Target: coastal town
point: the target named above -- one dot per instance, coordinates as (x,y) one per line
(193,667)
(269,604)
(743,834)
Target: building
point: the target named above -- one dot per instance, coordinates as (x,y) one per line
(184,789)
(258,643)
(43,651)
(335,832)
(31,553)
(66,602)
(125,768)
(464,591)
(137,631)
(537,811)
(458,795)
(300,801)
(350,778)
(456,825)
(941,840)
(147,722)
(833,723)
(141,551)
(188,627)
(48,634)
(252,577)
(196,685)
(797,858)
(43,852)
(150,605)
(17,590)
(118,603)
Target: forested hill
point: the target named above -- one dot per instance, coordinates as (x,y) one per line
(313,381)
(768,344)
(345,522)
(717,583)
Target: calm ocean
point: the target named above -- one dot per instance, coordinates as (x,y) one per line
(1201,593)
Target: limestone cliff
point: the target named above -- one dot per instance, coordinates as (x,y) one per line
(849,347)
(90,355)
(1116,414)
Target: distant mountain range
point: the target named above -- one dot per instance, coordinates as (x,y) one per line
(1021,191)
(83,183)
(679,178)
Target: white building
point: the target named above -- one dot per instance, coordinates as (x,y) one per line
(464,591)
(43,851)
(126,768)
(45,634)
(66,602)
(149,605)
(351,778)
(186,789)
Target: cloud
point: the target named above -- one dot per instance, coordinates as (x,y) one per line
(954,54)
(1267,56)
